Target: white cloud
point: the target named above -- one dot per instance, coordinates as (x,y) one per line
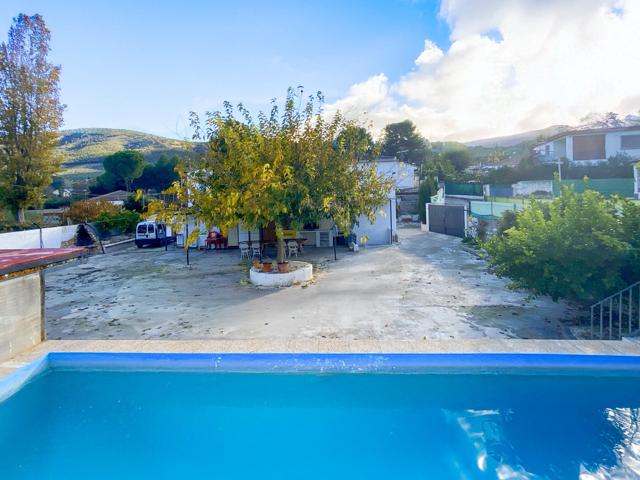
(513,65)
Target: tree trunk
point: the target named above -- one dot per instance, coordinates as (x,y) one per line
(20,215)
(281,254)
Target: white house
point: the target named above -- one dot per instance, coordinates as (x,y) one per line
(403,174)
(380,232)
(636,180)
(590,146)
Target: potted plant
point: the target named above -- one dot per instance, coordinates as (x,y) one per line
(266,266)
(283,267)
(256,264)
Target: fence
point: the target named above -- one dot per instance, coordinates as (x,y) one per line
(606,186)
(500,190)
(617,315)
(491,210)
(52,237)
(464,189)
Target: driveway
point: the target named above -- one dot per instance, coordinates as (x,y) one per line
(426,286)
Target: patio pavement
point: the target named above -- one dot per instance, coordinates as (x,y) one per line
(425,287)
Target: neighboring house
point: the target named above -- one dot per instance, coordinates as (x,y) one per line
(590,146)
(51,216)
(379,232)
(117,198)
(64,193)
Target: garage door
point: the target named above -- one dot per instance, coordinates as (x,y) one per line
(447,219)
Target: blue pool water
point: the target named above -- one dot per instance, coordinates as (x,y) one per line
(88,420)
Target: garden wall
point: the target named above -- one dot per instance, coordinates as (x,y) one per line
(21,318)
(52,237)
(528,187)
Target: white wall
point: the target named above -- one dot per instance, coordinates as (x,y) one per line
(378,231)
(52,237)
(527,187)
(403,174)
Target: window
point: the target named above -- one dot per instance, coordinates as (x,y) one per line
(630,142)
(142,228)
(588,147)
(150,227)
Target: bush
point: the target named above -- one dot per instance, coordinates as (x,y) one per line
(427,189)
(88,211)
(506,221)
(580,246)
(124,221)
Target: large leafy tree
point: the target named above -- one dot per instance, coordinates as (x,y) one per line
(290,166)
(120,170)
(30,114)
(160,175)
(403,140)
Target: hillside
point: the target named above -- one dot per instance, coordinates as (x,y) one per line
(83,149)
(518,138)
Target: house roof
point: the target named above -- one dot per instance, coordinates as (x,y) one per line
(117,196)
(13,261)
(586,131)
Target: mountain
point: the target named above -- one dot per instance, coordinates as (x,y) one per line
(513,140)
(83,149)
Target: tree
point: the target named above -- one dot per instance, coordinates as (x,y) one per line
(30,114)
(404,141)
(120,169)
(159,176)
(287,167)
(580,246)
(459,157)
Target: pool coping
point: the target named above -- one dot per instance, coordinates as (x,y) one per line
(325,346)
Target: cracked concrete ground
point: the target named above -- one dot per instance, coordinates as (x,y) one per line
(425,287)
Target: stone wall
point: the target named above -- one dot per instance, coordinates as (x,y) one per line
(21,314)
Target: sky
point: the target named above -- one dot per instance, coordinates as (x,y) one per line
(460,69)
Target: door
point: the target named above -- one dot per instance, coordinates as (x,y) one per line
(447,219)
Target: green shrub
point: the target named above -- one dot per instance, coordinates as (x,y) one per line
(427,189)
(124,221)
(580,246)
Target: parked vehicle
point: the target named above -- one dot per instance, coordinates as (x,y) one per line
(152,233)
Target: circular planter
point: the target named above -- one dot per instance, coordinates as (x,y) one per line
(298,272)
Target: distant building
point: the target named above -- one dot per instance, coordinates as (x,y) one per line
(117,198)
(590,146)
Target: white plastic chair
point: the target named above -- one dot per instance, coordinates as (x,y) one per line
(292,246)
(244,250)
(255,250)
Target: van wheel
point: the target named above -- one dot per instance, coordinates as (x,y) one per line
(139,245)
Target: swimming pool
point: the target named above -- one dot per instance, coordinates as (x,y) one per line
(230,416)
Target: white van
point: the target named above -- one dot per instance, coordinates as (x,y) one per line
(152,233)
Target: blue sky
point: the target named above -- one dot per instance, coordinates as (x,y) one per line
(459,69)
(144,65)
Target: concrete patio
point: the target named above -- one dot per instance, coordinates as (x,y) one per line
(426,287)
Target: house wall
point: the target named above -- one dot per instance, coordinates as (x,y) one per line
(403,174)
(613,146)
(21,314)
(379,232)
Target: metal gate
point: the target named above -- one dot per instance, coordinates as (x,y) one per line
(447,219)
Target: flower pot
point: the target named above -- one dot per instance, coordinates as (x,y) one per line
(266,267)
(283,267)
(256,264)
